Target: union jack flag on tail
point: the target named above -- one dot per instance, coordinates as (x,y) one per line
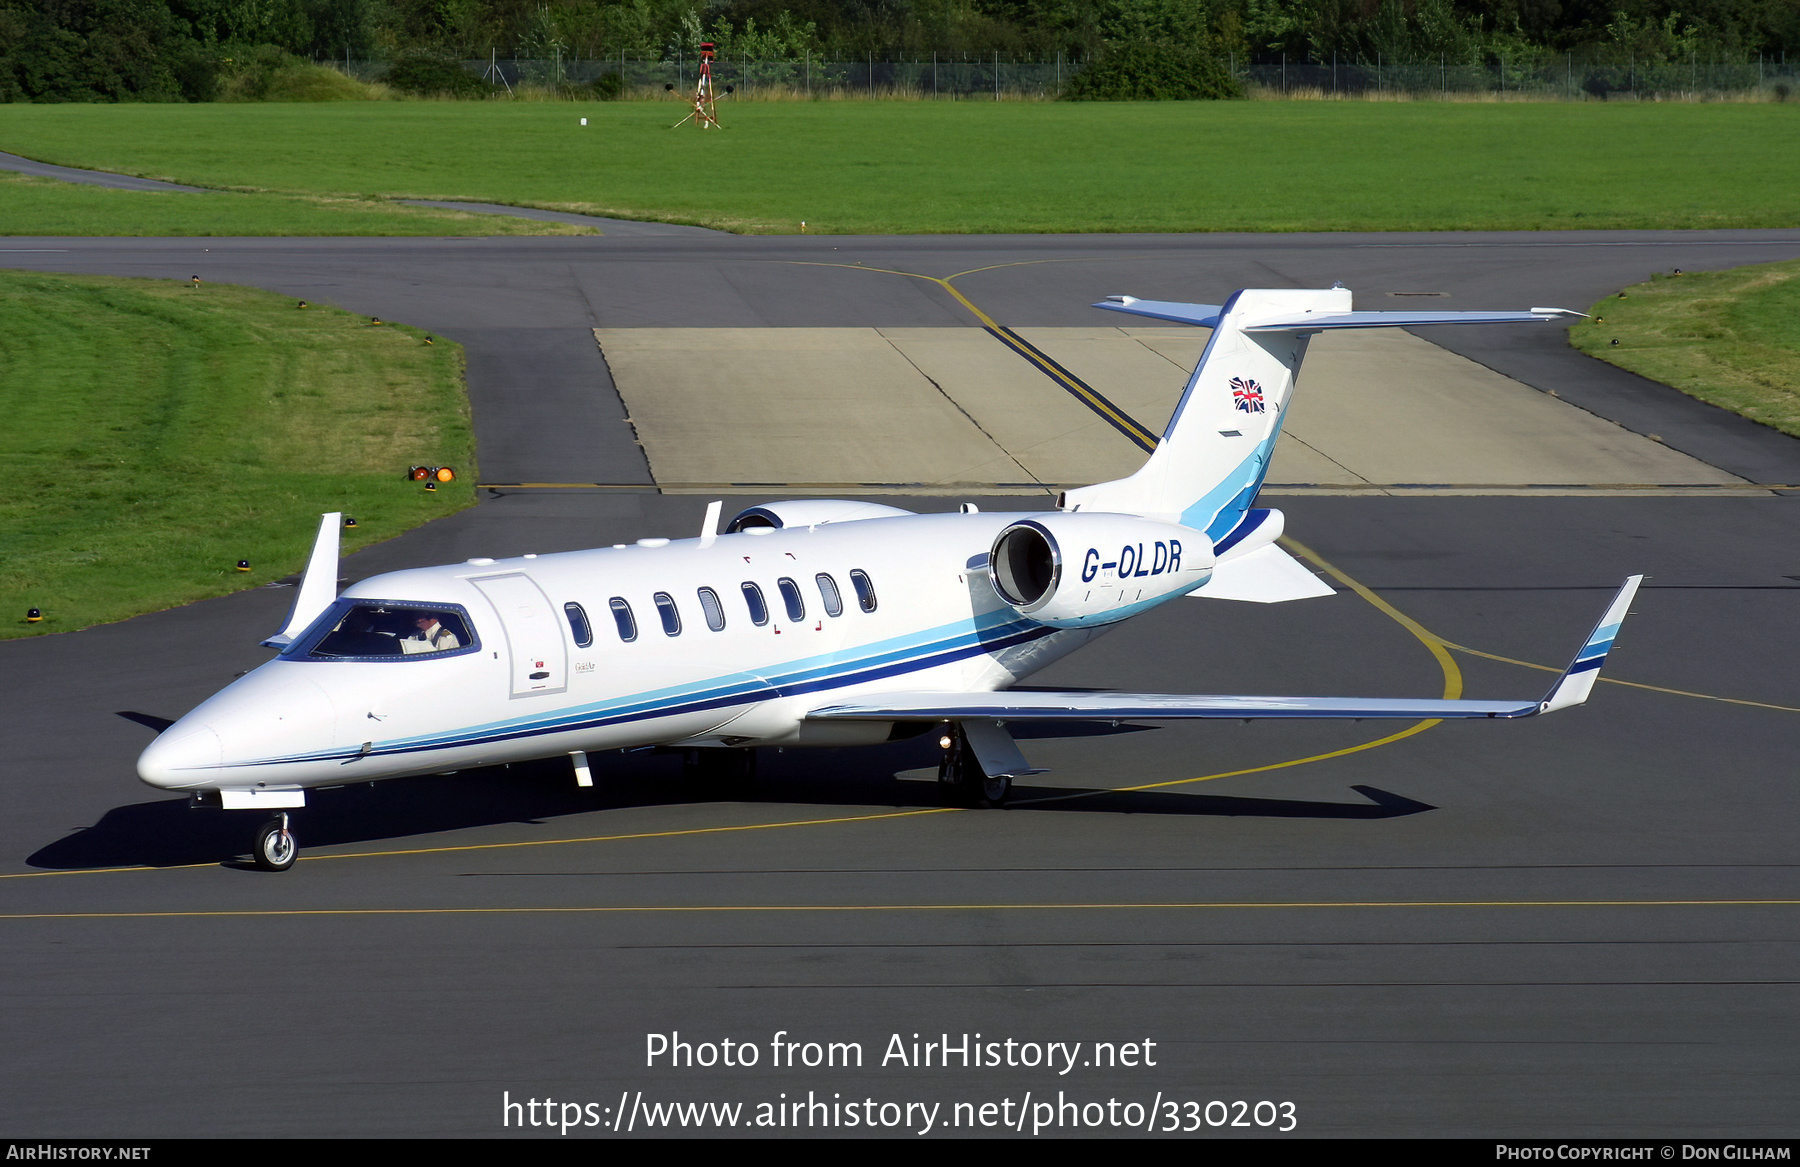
(1247,395)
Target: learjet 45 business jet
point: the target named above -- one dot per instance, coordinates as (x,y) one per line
(807,623)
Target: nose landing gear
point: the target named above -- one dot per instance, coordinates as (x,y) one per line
(275,847)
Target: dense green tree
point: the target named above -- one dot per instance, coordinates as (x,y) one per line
(172,50)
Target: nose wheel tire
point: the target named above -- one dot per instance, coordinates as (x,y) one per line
(275,846)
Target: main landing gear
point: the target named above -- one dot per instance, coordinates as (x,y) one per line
(275,848)
(960,776)
(719,772)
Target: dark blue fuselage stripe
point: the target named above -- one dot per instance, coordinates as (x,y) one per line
(1252,520)
(711,699)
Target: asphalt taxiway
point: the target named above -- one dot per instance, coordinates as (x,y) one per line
(1584,924)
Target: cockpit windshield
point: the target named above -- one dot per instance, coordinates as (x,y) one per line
(375,630)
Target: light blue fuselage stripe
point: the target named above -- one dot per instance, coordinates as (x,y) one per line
(894,657)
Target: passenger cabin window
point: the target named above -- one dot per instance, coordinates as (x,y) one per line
(578,625)
(828,591)
(790,592)
(753,599)
(362,630)
(715,611)
(671,619)
(623,618)
(865,589)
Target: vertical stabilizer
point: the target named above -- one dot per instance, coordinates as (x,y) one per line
(1215,452)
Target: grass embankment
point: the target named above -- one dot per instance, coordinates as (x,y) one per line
(157,433)
(897,167)
(1731,338)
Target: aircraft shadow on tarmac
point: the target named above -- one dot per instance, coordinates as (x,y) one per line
(166,833)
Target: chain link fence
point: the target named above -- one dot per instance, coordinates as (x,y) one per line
(1565,76)
(1546,76)
(805,77)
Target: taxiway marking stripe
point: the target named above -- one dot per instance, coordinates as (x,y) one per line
(1079,389)
(859,818)
(1124,906)
(1525,664)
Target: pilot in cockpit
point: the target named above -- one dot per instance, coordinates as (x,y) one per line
(431,637)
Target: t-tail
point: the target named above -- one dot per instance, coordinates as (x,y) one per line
(1214,454)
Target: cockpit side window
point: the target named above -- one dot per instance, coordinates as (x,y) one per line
(384,630)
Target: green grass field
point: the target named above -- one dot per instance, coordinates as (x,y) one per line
(969,166)
(157,433)
(1731,338)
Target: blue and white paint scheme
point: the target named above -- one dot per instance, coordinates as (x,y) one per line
(812,622)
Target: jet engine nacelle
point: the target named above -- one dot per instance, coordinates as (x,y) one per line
(1080,570)
(809,512)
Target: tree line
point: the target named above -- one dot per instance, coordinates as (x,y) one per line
(191,50)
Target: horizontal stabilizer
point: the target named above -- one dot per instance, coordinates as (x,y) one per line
(1207,316)
(1204,315)
(1267,575)
(1308,322)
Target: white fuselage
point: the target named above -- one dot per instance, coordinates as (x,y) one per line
(524,686)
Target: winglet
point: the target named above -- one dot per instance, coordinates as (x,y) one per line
(1577,681)
(318,587)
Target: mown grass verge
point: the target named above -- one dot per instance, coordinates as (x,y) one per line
(157,433)
(44,206)
(1730,338)
(901,167)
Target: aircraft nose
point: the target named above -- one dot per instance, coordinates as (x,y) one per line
(182,757)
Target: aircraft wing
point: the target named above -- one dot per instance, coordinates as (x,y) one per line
(1571,688)
(1080,706)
